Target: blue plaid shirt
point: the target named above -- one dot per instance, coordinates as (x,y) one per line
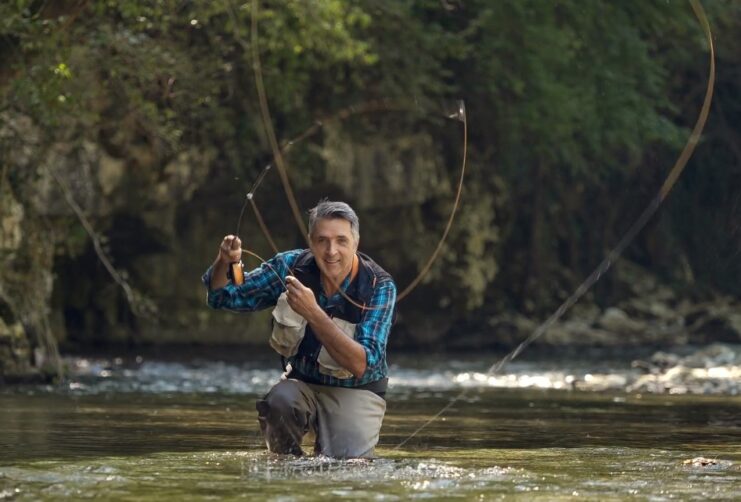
(261,290)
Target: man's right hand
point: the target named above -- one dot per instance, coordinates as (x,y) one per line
(230,250)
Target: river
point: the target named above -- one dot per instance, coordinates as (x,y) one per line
(141,428)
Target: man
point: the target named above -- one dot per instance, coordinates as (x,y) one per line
(332,312)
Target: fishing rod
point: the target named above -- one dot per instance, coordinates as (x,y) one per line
(637,226)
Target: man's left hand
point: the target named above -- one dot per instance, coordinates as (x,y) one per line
(301,299)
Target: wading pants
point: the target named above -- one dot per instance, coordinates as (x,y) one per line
(346,422)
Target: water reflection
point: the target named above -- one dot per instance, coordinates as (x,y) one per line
(153,429)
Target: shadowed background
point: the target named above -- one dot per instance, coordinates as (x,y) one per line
(137,124)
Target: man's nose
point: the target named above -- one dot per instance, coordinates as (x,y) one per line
(331,248)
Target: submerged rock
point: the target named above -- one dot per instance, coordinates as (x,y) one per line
(706,462)
(700,461)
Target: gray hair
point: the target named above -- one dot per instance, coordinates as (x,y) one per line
(329,210)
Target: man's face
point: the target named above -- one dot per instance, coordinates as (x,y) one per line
(333,246)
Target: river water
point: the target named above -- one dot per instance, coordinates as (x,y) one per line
(142,428)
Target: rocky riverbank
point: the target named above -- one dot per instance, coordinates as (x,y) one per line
(711,370)
(637,322)
(650,314)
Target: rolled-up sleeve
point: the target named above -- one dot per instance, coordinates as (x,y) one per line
(373,330)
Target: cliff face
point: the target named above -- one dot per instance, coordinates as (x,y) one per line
(87,243)
(26,255)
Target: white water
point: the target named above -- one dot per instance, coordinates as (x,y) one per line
(714,370)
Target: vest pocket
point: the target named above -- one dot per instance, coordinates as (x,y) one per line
(327,365)
(288,328)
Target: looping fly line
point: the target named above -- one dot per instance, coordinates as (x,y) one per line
(615,253)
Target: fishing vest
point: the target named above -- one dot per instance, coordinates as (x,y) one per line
(293,338)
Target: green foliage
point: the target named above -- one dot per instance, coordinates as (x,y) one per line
(576,83)
(576,110)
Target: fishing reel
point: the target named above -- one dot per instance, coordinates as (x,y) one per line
(235,272)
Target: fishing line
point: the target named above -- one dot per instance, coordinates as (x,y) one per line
(459,115)
(250,194)
(588,282)
(627,238)
(246,251)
